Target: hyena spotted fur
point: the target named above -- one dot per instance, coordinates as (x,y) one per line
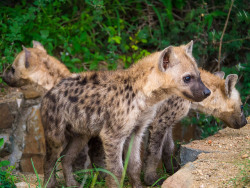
(112,105)
(223,103)
(33,66)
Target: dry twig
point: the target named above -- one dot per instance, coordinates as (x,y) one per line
(222,35)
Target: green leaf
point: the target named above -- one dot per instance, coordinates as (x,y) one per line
(1,142)
(44,34)
(4,163)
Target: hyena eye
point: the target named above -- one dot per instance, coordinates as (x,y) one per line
(12,70)
(241,107)
(187,79)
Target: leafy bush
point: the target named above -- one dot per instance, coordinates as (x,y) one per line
(7,179)
(101,34)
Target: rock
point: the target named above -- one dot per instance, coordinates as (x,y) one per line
(6,117)
(181,179)
(188,154)
(26,165)
(24,185)
(244,156)
(34,142)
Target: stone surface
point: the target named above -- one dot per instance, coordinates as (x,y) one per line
(24,185)
(189,154)
(34,142)
(181,179)
(6,117)
(26,165)
(222,165)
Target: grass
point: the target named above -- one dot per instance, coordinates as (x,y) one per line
(89,177)
(242,179)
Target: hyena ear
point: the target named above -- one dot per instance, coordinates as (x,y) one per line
(189,47)
(230,82)
(220,74)
(164,59)
(38,45)
(27,55)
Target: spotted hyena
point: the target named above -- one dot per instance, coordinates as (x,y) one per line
(33,66)
(113,105)
(223,103)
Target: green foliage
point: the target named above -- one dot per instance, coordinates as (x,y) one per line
(242,178)
(7,179)
(207,124)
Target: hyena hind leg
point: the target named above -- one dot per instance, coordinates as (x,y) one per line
(168,159)
(153,154)
(70,153)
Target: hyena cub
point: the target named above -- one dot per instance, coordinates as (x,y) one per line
(33,66)
(223,103)
(112,105)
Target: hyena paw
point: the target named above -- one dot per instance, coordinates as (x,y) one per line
(151,178)
(72,183)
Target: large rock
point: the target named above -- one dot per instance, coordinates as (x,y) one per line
(6,117)
(181,179)
(34,142)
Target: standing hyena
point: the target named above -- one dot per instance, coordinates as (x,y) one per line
(112,105)
(33,66)
(223,103)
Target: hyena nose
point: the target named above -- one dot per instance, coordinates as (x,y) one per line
(206,92)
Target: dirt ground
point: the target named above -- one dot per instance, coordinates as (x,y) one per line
(227,163)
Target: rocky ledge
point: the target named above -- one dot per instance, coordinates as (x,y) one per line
(221,160)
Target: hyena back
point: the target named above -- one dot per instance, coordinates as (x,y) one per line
(223,103)
(112,105)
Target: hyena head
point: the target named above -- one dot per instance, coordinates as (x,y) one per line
(181,68)
(225,100)
(34,66)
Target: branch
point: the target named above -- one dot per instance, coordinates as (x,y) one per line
(225,27)
(229,41)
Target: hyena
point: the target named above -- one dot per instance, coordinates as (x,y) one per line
(112,105)
(223,103)
(33,66)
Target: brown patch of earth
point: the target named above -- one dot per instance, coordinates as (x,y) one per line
(224,161)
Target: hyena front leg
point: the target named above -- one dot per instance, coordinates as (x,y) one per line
(53,150)
(134,165)
(153,154)
(113,155)
(74,147)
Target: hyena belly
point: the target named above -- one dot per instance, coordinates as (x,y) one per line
(160,142)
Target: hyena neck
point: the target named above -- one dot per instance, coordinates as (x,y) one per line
(148,79)
(215,103)
(50,73)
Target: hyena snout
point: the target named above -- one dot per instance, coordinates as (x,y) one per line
(206,92)
(197,92)
(241,123)
(12,80)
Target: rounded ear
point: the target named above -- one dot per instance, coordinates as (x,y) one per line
(189,47)
(230,82)
(38,45)
(164,59)
(220,74)
(27,55)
